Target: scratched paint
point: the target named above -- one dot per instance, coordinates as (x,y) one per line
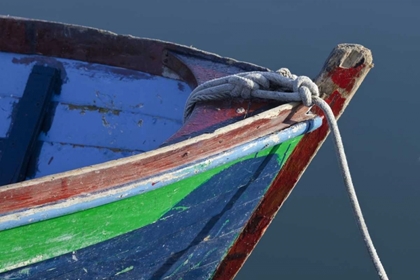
(124,270)
(50,238)
(185,243)
(96,199)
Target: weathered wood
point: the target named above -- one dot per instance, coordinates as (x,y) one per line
(158,181)
(344,71)
(29,36)
(103,176)
(209,116)
(28,116)
(198,229)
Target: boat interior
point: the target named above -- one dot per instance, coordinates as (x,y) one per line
(96,113)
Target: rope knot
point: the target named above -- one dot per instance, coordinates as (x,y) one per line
(306,89)
(281,85)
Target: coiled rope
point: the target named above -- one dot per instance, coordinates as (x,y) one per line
(284,86)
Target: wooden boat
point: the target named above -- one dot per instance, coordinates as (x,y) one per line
(100,176)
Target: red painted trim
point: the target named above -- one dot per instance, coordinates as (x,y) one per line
(25,196)
(287,177)
(215,114)
(345,78)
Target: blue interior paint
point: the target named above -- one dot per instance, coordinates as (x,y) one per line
(13,76)
(113,110)
(6,107)
(111,129)
(27,116)
(123,89)
(178,174)
(73,156)
(188,244)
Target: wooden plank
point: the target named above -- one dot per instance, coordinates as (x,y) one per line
(344,71)
(26,124)
(63,207)
(116,173)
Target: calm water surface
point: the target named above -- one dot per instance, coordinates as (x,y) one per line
(314,235)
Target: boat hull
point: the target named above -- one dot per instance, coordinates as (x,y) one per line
(182,230)
(193,208)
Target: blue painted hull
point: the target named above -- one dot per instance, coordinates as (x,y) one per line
(173,247)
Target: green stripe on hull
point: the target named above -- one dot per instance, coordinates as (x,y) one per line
(43,240)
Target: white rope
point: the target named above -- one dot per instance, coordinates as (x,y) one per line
(342,159)
(269,85)
(283,86)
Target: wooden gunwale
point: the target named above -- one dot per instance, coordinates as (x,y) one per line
(119,172)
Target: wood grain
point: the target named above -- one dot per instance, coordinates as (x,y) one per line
(116,173)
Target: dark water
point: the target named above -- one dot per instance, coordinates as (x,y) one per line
(314,235)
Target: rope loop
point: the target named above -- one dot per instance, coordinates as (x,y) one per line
(281,85)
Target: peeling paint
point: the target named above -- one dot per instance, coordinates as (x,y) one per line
(181,265)
(181,87)
(205,257)
(168,73)
(221,228)
(124,270)
(182,208)
(104,121)
(84,108)
(74,257)
(25,271)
